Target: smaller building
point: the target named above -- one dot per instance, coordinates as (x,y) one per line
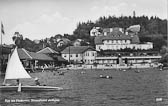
(58,60)
(33,60)
(80,54)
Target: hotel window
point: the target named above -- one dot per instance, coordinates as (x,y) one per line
(92,54)
(99,47)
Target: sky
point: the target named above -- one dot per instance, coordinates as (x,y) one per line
(40,19)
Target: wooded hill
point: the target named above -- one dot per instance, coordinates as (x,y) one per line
(153,29)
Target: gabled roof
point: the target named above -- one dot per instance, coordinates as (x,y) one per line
(24,54)
(47,50)
(76,49)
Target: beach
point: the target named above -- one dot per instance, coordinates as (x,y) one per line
(84,87)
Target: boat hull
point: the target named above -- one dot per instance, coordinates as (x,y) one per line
(29,88)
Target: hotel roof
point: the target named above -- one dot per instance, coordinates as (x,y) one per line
(116,35)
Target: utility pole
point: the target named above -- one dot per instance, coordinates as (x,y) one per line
(69,55)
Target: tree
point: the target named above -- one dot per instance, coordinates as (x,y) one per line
(18,39)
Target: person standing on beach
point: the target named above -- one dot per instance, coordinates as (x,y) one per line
(17,81)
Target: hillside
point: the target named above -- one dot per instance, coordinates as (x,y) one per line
(153,29)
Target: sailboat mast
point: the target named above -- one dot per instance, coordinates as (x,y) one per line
(2,54)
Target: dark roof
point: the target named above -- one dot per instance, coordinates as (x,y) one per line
(47,50)
(24,54)
(40,56)
(76,49)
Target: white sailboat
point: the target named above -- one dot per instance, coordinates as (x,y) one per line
(16,71)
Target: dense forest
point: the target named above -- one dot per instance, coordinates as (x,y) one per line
(153,29)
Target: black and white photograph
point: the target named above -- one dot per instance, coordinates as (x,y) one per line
(83,53)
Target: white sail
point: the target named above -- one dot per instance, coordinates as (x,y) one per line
(15,69)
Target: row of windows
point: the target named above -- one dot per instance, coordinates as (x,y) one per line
(114,47)
(78,55)
(89,54)
(117,41)
(88,61)
(124,61)
(67,55)
(85,61)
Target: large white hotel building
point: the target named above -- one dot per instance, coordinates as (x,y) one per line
(117,39)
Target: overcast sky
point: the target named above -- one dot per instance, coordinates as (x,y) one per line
(38,19)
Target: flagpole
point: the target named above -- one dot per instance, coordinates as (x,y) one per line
(1,49)
(167,25)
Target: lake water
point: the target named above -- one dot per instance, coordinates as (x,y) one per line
(85,88)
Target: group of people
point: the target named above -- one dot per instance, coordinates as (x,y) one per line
(107,76)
